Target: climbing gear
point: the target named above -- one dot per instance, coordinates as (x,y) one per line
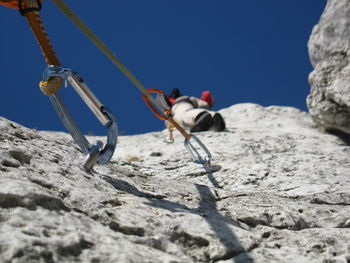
(95,153)
(12,3)
(23,10)
(52,82)
(171,129)
(47,85)
(196,155)
(164,113)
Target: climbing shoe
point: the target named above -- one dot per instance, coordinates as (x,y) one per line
(218,123)
(202,122)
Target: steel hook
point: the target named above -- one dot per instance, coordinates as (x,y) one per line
(96,153)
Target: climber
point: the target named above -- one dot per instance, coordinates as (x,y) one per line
(195,114)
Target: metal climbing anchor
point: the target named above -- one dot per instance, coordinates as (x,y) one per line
(195,151)
(95,152)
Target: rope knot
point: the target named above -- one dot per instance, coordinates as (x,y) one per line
(50,86)
(25,6)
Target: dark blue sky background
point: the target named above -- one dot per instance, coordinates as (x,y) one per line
(240,50)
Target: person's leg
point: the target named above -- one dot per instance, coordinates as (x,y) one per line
(218,123)
(198,120)
(193,119)
(181,115)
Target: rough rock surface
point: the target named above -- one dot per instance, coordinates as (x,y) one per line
(329,49)
(279,192)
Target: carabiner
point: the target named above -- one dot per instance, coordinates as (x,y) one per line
(195,154)
(158,106)
(96,153)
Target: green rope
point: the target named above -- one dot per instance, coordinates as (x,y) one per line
(87,31)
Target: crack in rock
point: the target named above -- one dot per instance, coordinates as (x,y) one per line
(127,230)
(74,248)
(194,246)
(31,201)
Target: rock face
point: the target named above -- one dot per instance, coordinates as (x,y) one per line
(329,49)
(279,192)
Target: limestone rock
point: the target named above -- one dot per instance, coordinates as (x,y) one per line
(278,192)
(329,49)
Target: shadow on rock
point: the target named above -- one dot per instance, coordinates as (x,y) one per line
(128,188)
(219,224)
(341,135)
(210,171)
(206,209)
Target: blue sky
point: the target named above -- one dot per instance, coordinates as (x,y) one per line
(241,50)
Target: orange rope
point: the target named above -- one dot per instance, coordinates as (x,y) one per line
(166,115)
(162,116)
(11,3)
(38,29)
(34,20)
